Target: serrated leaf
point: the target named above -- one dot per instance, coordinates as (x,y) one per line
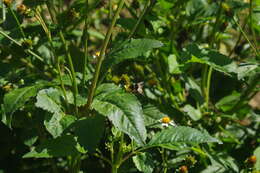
(212,58)
(152,115)
(193,113)
(123,109)
(180,134)
(227,102)
(245,70)
(49,100)
(129,49)
(16,99)
(144,162)
(194,89)
(173,65)
(89,131)
(56,123)
(257,154)
(59,147)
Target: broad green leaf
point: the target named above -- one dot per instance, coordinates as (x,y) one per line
(221,163)
(129,49)
(49,100)
(123,109)
(212,58)
(89,131)
(173,65)
(59,147)
(144,162)
(180,134)
(152,115)
(193,113)
(16,99)
(245,70)
(194,89)
(29,136)
(257,154)
(227,103)
(57,122)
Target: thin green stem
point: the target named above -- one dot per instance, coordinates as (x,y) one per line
(117,162)
(140,19)
(102,56)
(99,155)
(74,82)
(251,21)
(247,39)
(53,13)
(17,22)
(19,44)
(207,71)
(85,36)
(62,84)
(110,9)
(208,86)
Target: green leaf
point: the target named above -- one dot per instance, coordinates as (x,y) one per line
(89,131)
(16,99)
(257,154)
(59,147)
(193,113)
(212,58)
(123,109)
(129,49)
(173,65)
(144,162)
(194,89)
(245,70)
(228,102)
(56,123)
(49,100)
(180,134)
(152,115)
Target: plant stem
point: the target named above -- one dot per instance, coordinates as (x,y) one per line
(251,21)
(102,56)
(85,36)
(74,82)
(139,19)
(207,72)
(117,162)
(208,86)
(52,12)
(110,9)
(244,34)
(62,84)
(17,22)
(19,44)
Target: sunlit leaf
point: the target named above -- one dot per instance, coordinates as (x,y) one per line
(123,109)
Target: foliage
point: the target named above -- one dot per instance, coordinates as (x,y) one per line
(129,86)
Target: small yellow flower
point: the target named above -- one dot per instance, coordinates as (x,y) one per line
(166,121)
(97,53)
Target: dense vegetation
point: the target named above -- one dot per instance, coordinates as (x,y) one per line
(129,86)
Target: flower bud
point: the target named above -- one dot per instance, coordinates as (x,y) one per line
(183,169)
(22,9)
(7,2)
